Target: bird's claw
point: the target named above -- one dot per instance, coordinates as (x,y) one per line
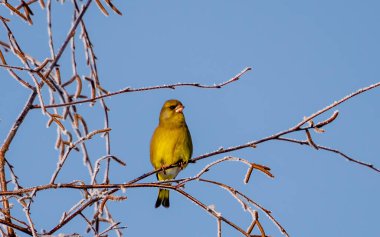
(163,168)
(181,164)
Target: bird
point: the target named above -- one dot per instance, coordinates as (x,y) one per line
(170,144)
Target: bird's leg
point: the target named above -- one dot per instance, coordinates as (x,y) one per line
(181,164)
(163,168)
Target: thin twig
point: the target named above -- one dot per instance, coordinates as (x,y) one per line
(219,225)
(71,147)
(27,213)
(234,192)
(89,224)
(171,86)
(336,103)
(50,33)
(17,227)
(17,68)
(68,37)
(212,212)
(70,217)
(371,166)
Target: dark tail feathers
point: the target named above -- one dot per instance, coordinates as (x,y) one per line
(163,198)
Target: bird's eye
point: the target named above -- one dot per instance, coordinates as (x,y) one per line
(172,107)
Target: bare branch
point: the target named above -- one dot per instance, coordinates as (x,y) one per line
(336,103)
(17,227)
(68,37)
(4,148)
(371,166)
(171,86)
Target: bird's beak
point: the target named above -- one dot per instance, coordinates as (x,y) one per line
(179,108)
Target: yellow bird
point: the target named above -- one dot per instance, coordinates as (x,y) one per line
(170,144)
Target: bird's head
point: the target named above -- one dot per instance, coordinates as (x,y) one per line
(171,113)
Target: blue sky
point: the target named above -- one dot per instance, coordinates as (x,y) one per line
(304,54)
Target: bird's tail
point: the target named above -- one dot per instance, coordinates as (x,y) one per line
(163,198)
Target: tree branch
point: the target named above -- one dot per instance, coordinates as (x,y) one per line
(4,148)
(371,166)
(129,90)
